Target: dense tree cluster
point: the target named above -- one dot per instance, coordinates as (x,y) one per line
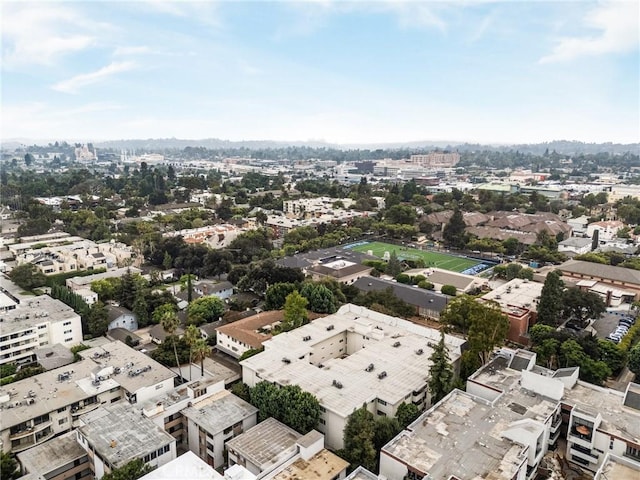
(289,404)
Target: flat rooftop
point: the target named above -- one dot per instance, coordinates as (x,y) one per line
(219,411)
(361,473)
(267,444)
(458,438)
(119,433)
(34,311)
(617,418)
(518,293)
(186,467)
(324,465)
(55,453)
(395,346)
(616,468)
(130,361)
(444,277)
(50,391)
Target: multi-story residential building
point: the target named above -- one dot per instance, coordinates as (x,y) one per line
(518,299)
(81,283)
(213,421)
(264,447)
(61,458)
(246,334)
(70,254)
(575,245)
(607,230)
(352,358)
(314,207)
(187,466)
(113,435)
(32,323)
(38,408)
(271,450)
(216,236)
(166,410)
(511,413)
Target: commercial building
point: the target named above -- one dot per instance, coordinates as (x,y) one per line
(28,323)
(213,421)
(352,358)
(436,159)
(38,408)
(608,276)
(113,435)
(518,299)
(427,303)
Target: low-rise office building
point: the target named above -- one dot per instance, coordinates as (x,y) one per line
(353,357)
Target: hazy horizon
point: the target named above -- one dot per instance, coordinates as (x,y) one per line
(343,73)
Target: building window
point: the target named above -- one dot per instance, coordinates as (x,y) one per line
(62,421)
(382,402)
(66,324)
(632,452)
(611,443)
(68,339)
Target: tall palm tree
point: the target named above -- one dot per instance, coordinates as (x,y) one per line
(170,323)
(200,351)
(191,335)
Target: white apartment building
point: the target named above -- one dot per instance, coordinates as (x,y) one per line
(213,421)
(216,236)
(353,357)
(61,458)
(38,408)
(313,207)
(511,413)
(113,435)
(70,254)
(271,450)
(32,323)
(607,230)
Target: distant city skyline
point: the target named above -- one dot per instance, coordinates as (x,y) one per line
(385,71)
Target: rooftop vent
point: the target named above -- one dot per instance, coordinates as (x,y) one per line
(286,360)
(419,351)
(330,327)
(369,368)
(307,338)
(396,345)
(337,384)
(381,375)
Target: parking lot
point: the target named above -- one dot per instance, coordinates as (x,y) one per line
(607,323)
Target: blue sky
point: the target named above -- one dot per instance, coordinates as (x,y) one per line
(344,72)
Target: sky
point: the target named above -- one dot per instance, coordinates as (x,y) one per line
(338,71)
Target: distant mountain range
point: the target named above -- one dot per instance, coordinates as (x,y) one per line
(564,147)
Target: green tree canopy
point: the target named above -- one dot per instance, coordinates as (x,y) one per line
(205,309)
(291,405)
(130,471)
(454,231)
(550,306)
(407,413)
(440,372)
(359,439)
(295,311)
(27,276)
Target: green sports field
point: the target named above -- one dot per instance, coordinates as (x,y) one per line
(431,259)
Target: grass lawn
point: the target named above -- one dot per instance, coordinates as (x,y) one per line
(432,259)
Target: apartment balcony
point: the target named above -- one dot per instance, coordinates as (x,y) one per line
(580,436)
(81,410)
(584,453)
(30,430)
(555,426)
(553,438)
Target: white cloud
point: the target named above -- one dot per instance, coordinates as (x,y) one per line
(132,50)
(617,23)
(41,33)
(74,83)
